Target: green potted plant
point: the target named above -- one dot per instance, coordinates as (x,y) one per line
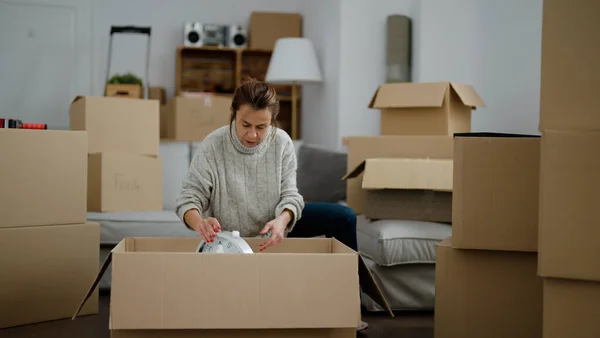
(128,85)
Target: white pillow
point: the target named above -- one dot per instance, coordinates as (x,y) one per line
(392,242)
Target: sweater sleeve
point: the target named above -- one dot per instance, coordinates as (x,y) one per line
(290,197)
(196,187)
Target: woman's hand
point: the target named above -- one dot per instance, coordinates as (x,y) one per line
(277,228)
(208,228)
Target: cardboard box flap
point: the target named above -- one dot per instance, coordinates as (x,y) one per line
(121,247)
(370,287)
(467,95)
(356,171)
(77,98)
(409,95)
(405,173)
(446,243)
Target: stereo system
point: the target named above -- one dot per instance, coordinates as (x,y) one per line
(201,34)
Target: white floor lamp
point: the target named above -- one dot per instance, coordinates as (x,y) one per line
(294,62)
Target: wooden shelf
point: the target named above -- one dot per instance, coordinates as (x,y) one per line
(222,69)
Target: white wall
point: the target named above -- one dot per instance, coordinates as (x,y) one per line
(167,18)
(509,57)
(490,45)
(320,102)
(362,61)
(494,46)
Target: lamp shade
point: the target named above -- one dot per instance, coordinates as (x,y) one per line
(293,60)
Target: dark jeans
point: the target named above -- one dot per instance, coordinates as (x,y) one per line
(328,219)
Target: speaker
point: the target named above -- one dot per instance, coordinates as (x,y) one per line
(398,49)
(202,34)
(214,35)
(192,34)
(237,37)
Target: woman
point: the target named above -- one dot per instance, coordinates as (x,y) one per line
(243,177)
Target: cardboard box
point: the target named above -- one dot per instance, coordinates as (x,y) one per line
(406,188)
(42,177)
(306,284)
(571,308)
(496,191)
(255,333)
(163,122)
(133,91)
(192,118)
(45,272)
(123,182)
(266,27)
(439,108)
(482,293)
(569,215)
(158,93)
(117,125)
(569,65)
(361,148)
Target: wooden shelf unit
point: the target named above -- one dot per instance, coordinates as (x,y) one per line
(221,69)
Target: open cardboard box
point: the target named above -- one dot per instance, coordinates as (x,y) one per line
(406,188)
(426,108)
(303,284)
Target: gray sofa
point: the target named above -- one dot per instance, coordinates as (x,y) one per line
(401,254)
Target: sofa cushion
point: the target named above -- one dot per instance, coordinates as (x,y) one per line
(395,242)
(320,173)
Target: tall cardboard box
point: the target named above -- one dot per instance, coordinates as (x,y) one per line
(486,273)
(47,250)
(438,108)
(485,293)
(570,126)
(43,177)
(124,170)
(158,284)
(569,97)
(496,191)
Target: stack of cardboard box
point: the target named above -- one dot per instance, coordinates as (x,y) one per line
(570,167)
(486,273)
(124,170)
(48,252)
(407,171)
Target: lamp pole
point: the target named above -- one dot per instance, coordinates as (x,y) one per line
(294,110)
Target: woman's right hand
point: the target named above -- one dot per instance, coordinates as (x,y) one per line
(207,228)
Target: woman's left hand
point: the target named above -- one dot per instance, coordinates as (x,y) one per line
(277,229)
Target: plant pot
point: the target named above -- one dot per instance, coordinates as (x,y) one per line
(124,90)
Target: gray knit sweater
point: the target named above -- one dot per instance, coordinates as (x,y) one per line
(242,187)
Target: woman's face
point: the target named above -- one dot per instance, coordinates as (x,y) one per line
(252,125)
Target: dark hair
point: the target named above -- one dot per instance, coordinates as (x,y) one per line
(258,95)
